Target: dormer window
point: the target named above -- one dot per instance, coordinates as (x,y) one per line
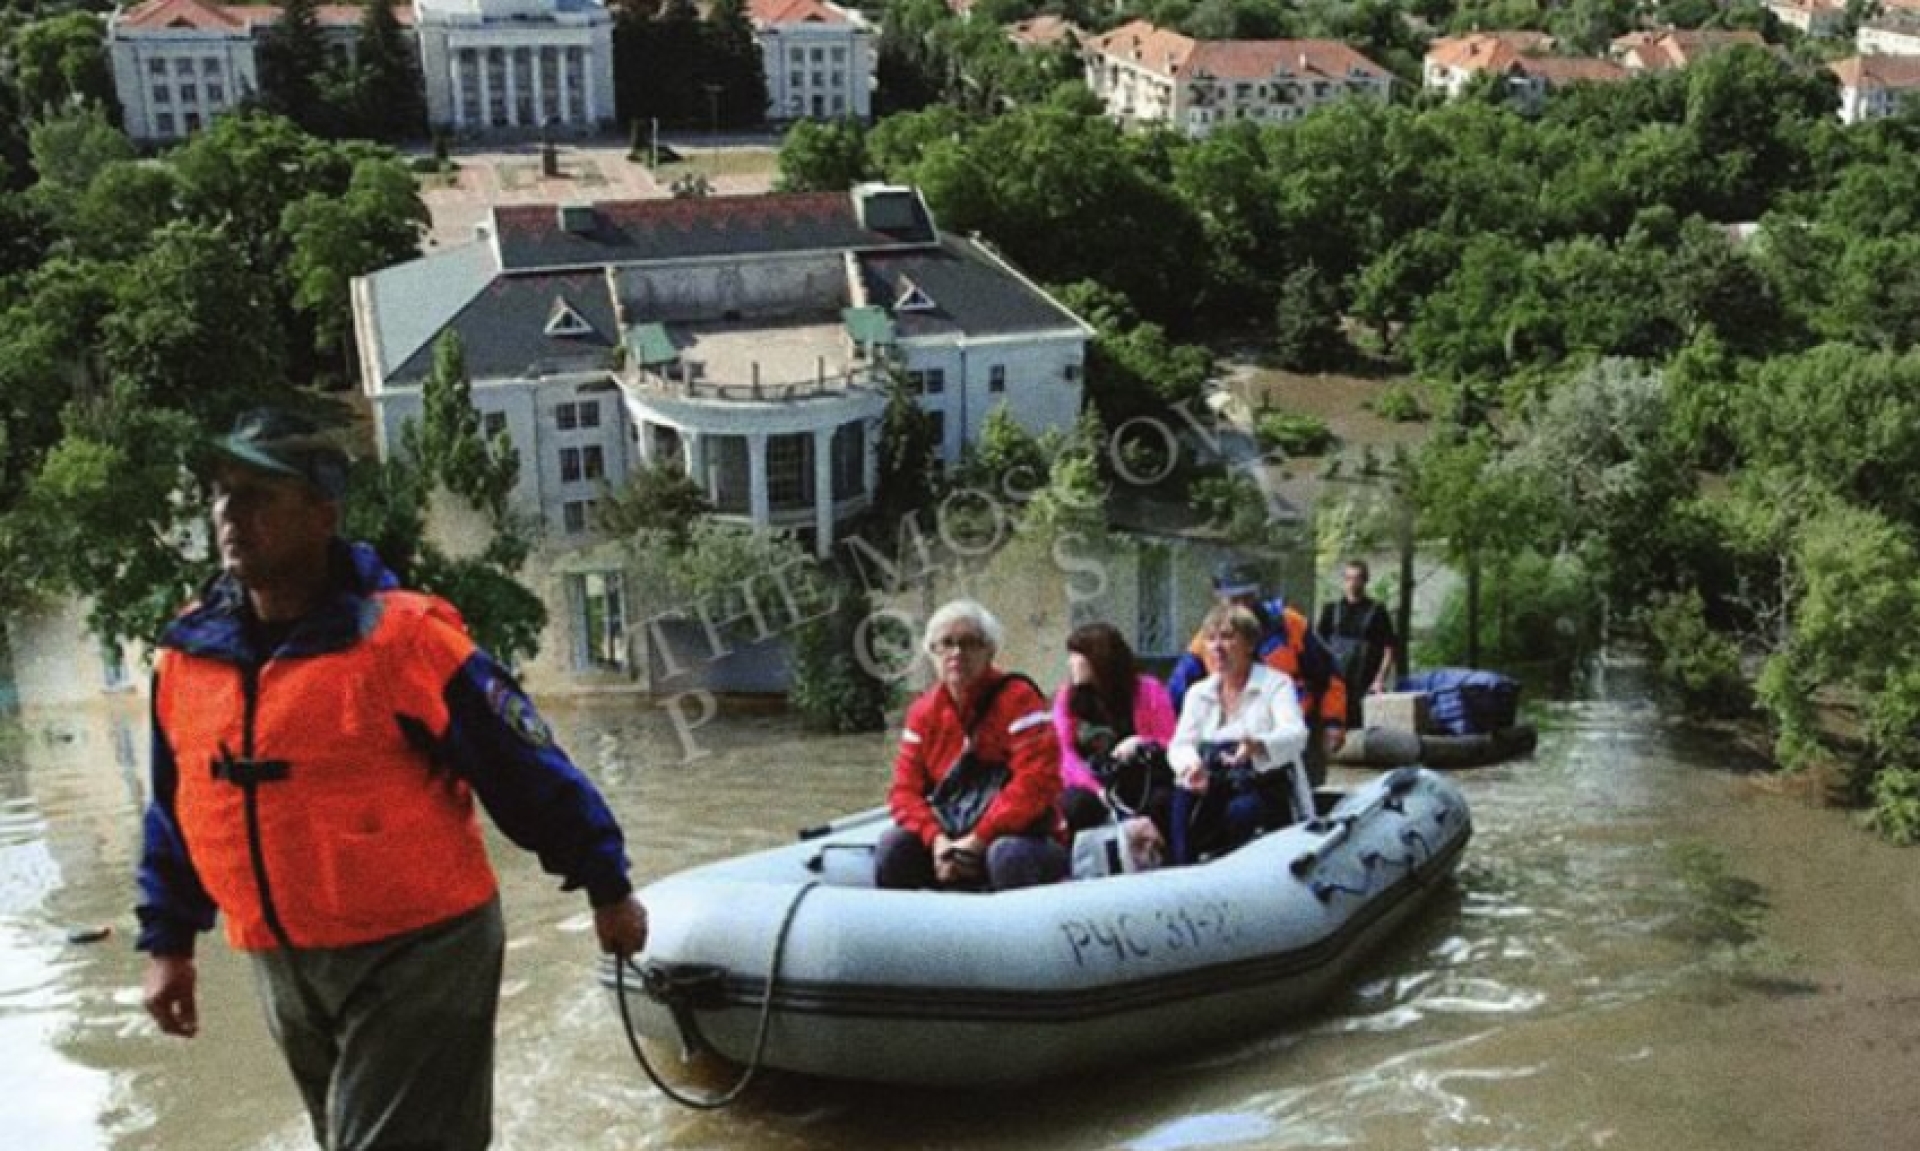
(912,299)
(563,320)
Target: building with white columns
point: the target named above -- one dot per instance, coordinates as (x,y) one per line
(743,339)
(497,65)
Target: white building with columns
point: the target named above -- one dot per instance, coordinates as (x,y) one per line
(743,339)
(494,65)
(818,59)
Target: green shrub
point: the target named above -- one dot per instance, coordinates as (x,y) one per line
(832,690)
(1896,805)
(1293,433)
(1400,404)
(1700,665)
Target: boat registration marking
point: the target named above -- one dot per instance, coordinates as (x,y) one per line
(1132,936)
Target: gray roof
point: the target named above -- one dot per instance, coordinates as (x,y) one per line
(637,231)
(503,328)
(971,293)
(411,302)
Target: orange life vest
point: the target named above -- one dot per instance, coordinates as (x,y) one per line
(362,839)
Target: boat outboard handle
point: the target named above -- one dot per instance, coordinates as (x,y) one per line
(1397,783)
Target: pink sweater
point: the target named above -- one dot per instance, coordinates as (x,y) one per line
(1153,720)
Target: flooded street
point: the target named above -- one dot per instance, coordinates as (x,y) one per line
(1645,948)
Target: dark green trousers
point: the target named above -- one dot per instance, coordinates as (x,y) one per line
(391,1043)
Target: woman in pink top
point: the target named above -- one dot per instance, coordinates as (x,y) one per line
(1107,710)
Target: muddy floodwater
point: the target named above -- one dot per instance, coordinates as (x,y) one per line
(1646,947)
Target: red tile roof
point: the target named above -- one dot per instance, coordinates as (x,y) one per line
(200,15)
(1172,55)
(1558,70)
(765,12)
(1496,50)
(1661,51)
(1894,72)
(180,14)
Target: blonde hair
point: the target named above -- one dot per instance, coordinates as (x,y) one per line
(1234,618)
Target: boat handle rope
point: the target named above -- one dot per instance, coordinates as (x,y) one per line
(727,1097)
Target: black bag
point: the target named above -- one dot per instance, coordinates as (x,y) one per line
(1130,785)
(971,785)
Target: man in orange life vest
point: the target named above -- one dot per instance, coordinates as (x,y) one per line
(319,738)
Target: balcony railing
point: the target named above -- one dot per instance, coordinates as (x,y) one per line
(689,382)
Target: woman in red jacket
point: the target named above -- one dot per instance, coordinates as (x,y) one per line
(998,718)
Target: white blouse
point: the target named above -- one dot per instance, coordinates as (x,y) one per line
(1268,713)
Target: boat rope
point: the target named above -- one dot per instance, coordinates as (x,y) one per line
(724,1098)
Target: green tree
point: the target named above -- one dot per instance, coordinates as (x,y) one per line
(1306,322)
(823,156)
(447,441)
(60,61)
(833,688)
(909,461)
(734,62)
(1482,509)
(189,314)
(661,499)
(334,238)
(70,149)
(294,67)
(387,83)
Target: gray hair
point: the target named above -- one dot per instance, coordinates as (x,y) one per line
(965,611)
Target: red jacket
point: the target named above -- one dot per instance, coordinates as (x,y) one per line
(1017,731)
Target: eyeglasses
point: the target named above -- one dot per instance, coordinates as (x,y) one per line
(947,643)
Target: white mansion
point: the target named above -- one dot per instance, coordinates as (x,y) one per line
(743,338)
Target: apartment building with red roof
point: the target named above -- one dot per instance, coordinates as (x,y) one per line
(1672,49)
(1874,87)
(1151,75)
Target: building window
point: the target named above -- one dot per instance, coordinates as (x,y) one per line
(189,93)
(183,67)
(156,67)
(162,94)
(575,515)
(163,123)
(936,381)
(190,122)
(819,55)
(727,474)
(939,438)
(493,424)
(849,461)
(576,414)
(798,56)
(581,464)
(1070,372)
(997,378)
(839,105)
(216,94)
(839,55)
(790,471)
(819,79)
(599,604)
(210,66)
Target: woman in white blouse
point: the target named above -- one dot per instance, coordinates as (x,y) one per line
(1236,751)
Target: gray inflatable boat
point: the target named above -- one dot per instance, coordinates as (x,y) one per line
(792,955)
